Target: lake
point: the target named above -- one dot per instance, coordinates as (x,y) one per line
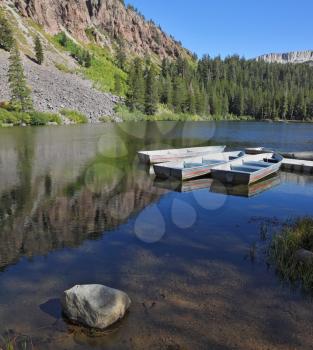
(76,208)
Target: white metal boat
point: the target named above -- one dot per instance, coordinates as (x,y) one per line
(168,155)
(193,167)
(248,169)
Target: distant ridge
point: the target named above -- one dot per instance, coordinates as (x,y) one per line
(288,57)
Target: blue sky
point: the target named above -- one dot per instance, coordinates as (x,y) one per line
(246,27)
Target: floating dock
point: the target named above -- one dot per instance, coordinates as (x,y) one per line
(298,155)
(298,165)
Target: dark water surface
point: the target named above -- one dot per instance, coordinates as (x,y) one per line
(76,207)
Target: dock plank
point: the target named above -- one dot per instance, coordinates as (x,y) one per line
(298,165)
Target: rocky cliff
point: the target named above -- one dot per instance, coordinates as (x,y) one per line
(288,57)
(106,21)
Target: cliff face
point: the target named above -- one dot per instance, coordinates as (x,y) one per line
(288,57)
(106,20)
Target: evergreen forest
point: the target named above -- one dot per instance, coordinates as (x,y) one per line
(232,86)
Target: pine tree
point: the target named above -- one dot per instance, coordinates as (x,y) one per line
(165,91)
(238,103)
(191,100)
(284,106)
(165,67)
(169,92)
(179,95)
(151,95)
(136,91)
(20,93)
(39,50)
(86,58)
(117,84)
(63,39)
(6,34)
(121,57)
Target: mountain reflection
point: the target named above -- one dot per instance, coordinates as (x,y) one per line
(57,189)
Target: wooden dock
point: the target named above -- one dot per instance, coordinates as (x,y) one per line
(298,165)
(298,155)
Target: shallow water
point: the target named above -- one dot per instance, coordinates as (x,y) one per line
(76,207)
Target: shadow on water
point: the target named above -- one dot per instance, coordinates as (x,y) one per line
(76,207)
(52,307)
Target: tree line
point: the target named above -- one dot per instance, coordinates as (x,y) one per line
(222,87)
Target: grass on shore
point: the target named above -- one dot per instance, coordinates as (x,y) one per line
(74,116)
(14,118)
(164,114)
(283,251)
(8,118)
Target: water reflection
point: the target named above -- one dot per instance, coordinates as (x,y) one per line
(61,187)
(76,208)
(58,189)
(247,191)
(218,187)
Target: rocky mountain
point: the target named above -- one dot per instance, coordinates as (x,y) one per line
(288,57)
(106,21)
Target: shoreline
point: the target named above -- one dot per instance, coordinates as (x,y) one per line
(23,125)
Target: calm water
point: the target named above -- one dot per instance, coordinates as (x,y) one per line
(76,207)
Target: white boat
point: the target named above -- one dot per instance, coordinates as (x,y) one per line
(193,167)
(168,155)
(248,169)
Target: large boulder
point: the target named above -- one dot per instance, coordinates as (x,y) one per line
(94,305)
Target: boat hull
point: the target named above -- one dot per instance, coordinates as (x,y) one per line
(165,173)
(162,156)
(247,173)
(228,177)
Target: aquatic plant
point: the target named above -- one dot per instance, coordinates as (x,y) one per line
(284,250)
(252,252)
(14,342)
(263,232)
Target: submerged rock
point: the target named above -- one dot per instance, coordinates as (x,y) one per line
(304,255)
(94,305)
